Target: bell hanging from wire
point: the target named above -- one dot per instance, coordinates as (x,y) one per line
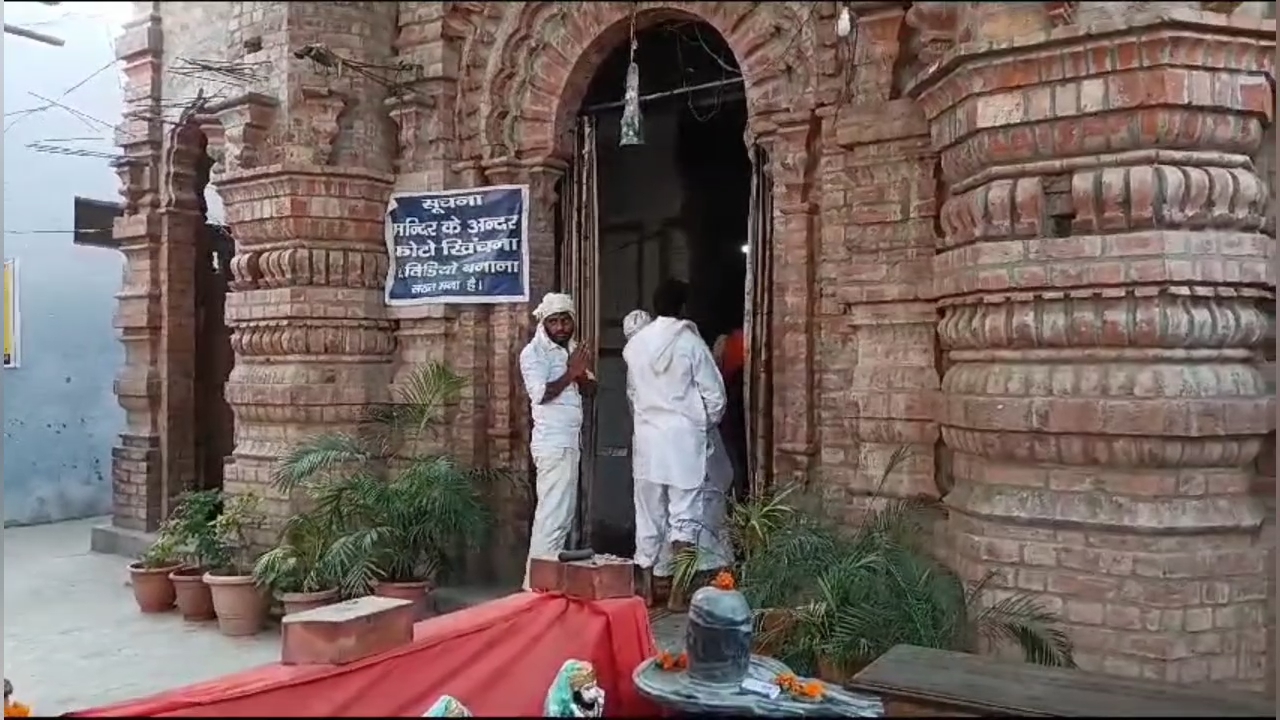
(632,130)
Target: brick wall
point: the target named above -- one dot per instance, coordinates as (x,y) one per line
(905,185)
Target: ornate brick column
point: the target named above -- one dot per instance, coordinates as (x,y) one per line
(136,473)
(305,187)
(1101,272)
(793,145)
(877,324)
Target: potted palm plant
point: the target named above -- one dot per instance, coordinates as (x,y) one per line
(829,601)
(847,599)
(399,514)
(303,570)
(241,606)
(192,522)
(149,575)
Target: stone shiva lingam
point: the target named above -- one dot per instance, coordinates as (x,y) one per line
(718,675)
(575,692)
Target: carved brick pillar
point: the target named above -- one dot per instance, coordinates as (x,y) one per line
(312,345)
(876,321)
(136,473)
(181,224)
(305,186)
(793,143)
(1100,275)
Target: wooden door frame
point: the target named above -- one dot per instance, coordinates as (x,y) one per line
(579,273)
(757,326)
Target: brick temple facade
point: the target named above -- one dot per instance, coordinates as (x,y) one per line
(1030,241)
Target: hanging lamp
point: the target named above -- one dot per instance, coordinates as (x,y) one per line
(631,131)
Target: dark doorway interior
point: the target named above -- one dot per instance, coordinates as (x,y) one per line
(214,424)
(675,206)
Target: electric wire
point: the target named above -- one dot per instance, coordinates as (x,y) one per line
(23,114)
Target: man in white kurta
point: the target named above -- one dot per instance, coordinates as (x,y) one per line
(677,398)
(714,546)
(555,373)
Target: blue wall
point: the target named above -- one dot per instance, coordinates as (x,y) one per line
(61,417)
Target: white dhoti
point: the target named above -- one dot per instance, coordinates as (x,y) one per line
(557,501)
(666,515)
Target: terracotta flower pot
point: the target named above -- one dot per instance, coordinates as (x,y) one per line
(152,588)
(195,602)
(415,592)
(241,606)
(302,602)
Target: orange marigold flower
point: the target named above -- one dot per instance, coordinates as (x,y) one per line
(813,689)
(787,682)
(682,661)
(16,709)
(724,581)
(667,661)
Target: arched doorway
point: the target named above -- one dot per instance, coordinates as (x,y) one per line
(678,203)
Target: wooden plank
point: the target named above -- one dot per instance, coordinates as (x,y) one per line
(994,687)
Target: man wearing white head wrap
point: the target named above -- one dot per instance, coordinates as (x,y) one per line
(555,374)
(677,397)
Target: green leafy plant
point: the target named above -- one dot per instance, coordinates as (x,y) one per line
(192,524)
(832,599)
(396,515)
(232,531)
(304,561)
(162,553)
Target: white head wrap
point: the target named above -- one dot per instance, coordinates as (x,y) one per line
(634,322)
(553,304)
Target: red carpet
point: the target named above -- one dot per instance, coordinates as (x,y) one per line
(497,658)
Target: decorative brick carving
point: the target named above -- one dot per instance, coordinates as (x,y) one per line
(410,113)
(323,108)
(307,320)
(237,133)
(936,29)
(1100,279)
(137,477)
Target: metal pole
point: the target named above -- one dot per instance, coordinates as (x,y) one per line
(33,35)
(666,94)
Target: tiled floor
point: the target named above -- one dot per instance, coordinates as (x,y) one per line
(73,638)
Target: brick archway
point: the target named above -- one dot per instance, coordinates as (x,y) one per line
(546,54)
(185,169)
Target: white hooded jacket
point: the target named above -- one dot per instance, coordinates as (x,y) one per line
(677,396)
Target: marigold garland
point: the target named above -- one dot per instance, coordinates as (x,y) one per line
(724,581)
(789,683)
(16,709)
(669,662)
